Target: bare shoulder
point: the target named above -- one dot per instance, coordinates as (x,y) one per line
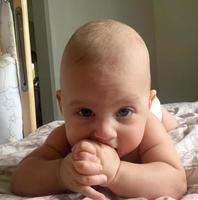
(154,133)
(169,121)
(55,146)
(156,145)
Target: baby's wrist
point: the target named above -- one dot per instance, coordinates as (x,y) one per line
(60,175)
(111,184)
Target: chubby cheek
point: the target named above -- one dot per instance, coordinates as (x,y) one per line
(129,139)
(75,132)
(72,130)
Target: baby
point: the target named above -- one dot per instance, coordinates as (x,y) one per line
(112,136)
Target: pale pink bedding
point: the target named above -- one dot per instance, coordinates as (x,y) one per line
(185,138)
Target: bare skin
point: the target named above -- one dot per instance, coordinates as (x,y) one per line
(168,120)
(110,137)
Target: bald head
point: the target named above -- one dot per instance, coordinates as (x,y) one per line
(105,43)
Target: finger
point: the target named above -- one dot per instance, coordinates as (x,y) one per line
(92,180)
(87,167)
(85,156)
(91,193)
(84,145)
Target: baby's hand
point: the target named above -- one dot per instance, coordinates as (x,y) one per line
(93,155)
(85,150)
(73,180)
(86,162)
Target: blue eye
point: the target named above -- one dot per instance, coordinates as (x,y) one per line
(124,112)
(86,112)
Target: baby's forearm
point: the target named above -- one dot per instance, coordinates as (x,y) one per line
(36,177)
(149,180)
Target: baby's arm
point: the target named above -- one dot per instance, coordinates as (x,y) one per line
(49,170)
(38,173)
(161,172)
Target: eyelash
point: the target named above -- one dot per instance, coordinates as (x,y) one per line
(87,110)
(129,110)
(89,113)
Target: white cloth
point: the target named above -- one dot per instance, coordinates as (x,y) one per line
(156,108)
(10,104)
(11,124)
(7,35)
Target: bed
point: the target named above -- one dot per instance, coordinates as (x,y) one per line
(185,139)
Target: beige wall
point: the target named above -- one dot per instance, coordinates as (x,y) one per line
(168,27)
(176,39)
(63,17)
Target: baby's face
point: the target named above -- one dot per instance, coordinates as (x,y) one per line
(104,106)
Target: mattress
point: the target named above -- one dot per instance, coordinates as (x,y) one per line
(184,137)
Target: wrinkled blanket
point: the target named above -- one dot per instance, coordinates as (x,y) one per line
(185,138)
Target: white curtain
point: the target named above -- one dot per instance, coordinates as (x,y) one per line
(10,104)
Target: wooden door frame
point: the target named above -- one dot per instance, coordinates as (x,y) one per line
(27,95)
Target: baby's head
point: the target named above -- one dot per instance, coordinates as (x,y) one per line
(107,46)
(105,79)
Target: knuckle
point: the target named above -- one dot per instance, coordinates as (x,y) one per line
(82,166)
(87,180)
(82,144)
(83,190)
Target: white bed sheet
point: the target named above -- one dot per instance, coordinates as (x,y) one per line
(185,138)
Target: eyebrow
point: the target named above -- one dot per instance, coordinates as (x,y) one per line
(77,102)
(126,100)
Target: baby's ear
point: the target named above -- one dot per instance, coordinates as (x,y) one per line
(153,94)
(58,97)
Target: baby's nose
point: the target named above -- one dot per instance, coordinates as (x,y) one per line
(104,131)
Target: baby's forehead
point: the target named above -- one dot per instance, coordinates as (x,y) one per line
(101,39)
(106,45)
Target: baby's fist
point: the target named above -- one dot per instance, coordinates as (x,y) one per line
(110,161)
(85,160)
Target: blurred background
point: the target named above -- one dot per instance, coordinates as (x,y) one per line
(169,28)
(33,34)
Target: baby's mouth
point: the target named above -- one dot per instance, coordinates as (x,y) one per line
(116,150)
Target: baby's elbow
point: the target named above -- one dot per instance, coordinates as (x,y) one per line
(15,186)
(15,190)
(180,186)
